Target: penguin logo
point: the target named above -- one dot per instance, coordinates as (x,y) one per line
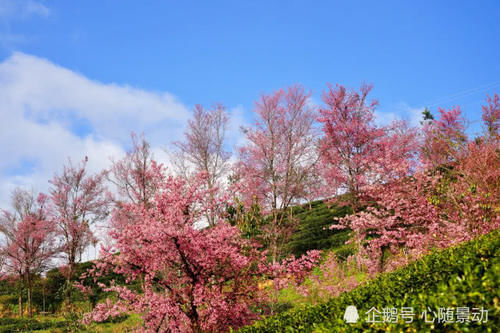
(351,314)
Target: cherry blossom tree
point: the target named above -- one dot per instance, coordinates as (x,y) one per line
(276,163)
(491,116)
(401,224)
(203,150)
(29,239)
(290,272)
(355,151)
(193,279)
(132,174)
(189,265)
(78,201)
(472,196)
(435,208)
(439,206)
(444,138)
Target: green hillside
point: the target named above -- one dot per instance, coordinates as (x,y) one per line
(467,276)
(312,231)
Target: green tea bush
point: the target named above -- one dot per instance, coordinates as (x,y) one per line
(27,325)
(313,230)
(465,276)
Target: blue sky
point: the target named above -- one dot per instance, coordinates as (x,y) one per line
(82,74)
(206,51)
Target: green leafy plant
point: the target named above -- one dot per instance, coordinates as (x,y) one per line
(464,276)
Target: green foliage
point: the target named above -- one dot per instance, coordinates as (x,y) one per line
(313,232)
(310,224)
(426,116)
(49,292)
(28,325)
(249,221)
(463,276)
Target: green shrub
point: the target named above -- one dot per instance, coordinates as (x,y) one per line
(313,232)
(27,325)
(463,276)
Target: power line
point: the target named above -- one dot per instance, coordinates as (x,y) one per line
(463,93)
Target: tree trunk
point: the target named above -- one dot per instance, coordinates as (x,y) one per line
(30,305)
(274,239)
(197,329)
(43,297)
(20,300)
(383,250)
(68,283)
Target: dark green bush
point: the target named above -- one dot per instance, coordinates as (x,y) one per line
(27,325)
(313,232)
(463,276)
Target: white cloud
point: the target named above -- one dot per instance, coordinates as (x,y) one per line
(235,137)
(384,118)
(49,113)
(36,8)
(16,10)
(403,111)
(21,9)
(412,114)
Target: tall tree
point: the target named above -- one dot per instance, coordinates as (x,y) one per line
(132,174)
(355,151)
(444,138)
(194,280)
(279,157)
(491,116)
(29,239)
(78,201)
(203,150)
(431,209)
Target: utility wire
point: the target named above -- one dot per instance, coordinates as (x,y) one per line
(463,93)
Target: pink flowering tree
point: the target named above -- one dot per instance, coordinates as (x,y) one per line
(203,150)
(491,116)
(290,272)
(78,200)
(355,151)
(29,240)
(444,138)
(132,174)
(410,216)
(193,279)
(401,224)
(278,160)
(472,195)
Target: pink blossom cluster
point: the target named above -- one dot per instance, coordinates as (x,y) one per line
(356,152)
(192,279)
(409,217)
(333,279)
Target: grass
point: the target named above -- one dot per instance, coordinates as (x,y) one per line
(127,325)
(60,324)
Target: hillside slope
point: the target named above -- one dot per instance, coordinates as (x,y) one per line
(467,277)
(312,231)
